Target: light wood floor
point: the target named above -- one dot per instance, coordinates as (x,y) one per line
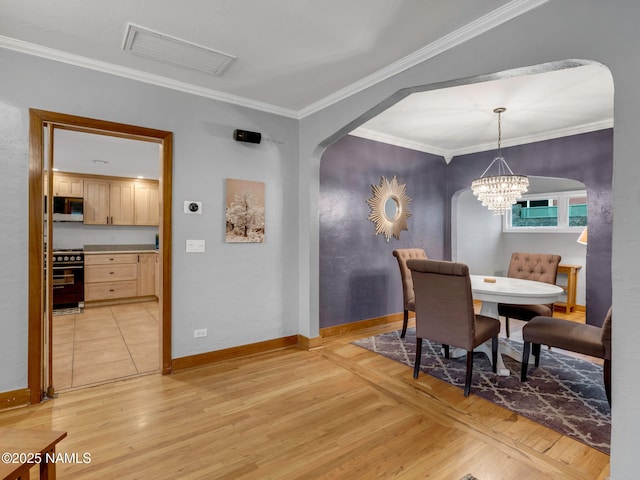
(105,343)
(336,412)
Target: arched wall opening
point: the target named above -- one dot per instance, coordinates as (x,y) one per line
(357,272)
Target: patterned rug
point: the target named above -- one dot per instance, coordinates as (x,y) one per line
(565,394)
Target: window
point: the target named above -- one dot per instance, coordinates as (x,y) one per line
(548,212)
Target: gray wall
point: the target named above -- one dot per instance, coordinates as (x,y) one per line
(590,29)
(359,276)
(587,158)
(585,29)
(481,243)
(239,292)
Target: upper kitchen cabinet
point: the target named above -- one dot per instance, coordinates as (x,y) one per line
(67,185)
(108,202)
(121,201)
(147,203)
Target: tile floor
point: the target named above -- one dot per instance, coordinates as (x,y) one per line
(105,343)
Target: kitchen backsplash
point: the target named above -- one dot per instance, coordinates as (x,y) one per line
(74,235)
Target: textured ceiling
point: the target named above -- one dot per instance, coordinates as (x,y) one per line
(290,53)
(297,56)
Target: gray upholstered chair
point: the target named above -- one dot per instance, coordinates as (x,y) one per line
(444,312)
(572,336)
(404,254)
(541,267)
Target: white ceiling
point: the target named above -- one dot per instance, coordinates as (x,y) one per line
(290,53)
(460,120)
(297,56)
(105,155)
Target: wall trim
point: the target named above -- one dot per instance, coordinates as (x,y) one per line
(201,359)
(138,75)
(510,10)
(361,325)
(15,398)
(306,343)
(497,17)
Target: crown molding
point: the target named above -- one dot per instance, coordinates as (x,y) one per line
(484,147)
(537,137)
(497,17)
(483,24)
(133,74)
(376,136)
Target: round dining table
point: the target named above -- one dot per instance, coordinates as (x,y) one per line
(491,291)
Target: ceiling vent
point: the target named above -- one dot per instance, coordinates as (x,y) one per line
(164,48)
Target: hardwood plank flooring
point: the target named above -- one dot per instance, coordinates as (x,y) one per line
(336,412)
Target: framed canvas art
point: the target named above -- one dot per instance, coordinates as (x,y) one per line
(244,211)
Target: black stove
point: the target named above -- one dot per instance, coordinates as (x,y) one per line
(67,256)
(68,277)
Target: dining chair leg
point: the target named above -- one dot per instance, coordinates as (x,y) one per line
(536,353)
(467,382)
(607,379)
(494,353)
(525,361)
(416,367)
(405,322)
(506,325)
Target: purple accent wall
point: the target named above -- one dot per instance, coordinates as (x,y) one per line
(587,158)
(357,268)
(358,273)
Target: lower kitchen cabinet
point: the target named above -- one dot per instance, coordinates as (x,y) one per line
(146,274)
(118,276)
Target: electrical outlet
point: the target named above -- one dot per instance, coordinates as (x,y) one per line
(199,333)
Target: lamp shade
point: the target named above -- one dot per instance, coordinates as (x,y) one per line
(583,237)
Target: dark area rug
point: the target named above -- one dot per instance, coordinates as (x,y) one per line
(565,394)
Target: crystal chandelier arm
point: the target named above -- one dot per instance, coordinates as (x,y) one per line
(504,162)
(491,165)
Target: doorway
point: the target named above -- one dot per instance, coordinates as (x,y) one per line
(40,378)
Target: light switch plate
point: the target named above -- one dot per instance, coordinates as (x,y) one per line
(192,207)
(195,246)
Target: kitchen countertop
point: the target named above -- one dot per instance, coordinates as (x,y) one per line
(132,248)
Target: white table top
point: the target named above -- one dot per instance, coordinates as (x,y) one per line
(513,290)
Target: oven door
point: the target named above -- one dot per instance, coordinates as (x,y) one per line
(68,285)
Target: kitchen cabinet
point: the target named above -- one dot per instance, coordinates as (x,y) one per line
(108,202)
(157,276)
(146,274)
(113,276)
(110,276)
(68,185)
(147,204)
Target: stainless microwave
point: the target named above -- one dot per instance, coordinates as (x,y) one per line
(68,209)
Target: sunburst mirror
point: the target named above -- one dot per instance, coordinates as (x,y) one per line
(389,207)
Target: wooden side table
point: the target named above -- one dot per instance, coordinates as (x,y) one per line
(571,271)
(21,447)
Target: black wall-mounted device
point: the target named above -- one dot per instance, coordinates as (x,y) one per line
(245,136)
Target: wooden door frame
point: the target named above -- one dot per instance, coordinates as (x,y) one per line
(37,121)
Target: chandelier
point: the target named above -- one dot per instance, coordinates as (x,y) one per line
(499,192)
